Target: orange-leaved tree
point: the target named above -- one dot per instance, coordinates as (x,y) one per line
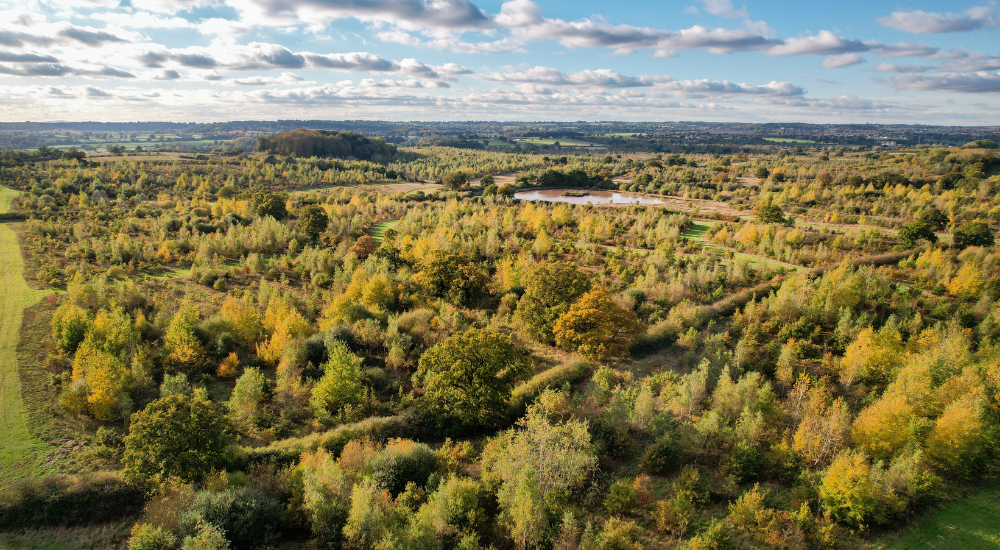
(596,327)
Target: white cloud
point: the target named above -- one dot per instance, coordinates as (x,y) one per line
(973,83)
(921,22)
(823,43)
(843,60)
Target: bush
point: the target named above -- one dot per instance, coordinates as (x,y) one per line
(401,462)
(661,457)
(64,500)
(621,498)
(247,516)
(147,537)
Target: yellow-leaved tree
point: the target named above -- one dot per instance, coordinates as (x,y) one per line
(106,381)
(873,356)
(184,350)
(885,427)
(242,314)
(284,323)
(596,327)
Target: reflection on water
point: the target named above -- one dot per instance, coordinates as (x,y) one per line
(595,197)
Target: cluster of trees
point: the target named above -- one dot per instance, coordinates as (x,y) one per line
(272,364)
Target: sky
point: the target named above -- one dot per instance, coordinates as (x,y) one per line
(927,62)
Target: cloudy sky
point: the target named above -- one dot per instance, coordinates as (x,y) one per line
(208,60)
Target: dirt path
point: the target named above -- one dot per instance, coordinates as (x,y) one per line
(20,452)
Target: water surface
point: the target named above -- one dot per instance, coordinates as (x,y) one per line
(595,197)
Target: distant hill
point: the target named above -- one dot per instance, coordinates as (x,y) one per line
(328,144)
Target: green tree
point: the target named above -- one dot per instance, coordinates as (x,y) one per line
(269,204)
(176,436)
(248,397)
(69,326)
(913,231)
(469,376)
(974,233)
(552,287)
(454,276)
(933,217)
(340,387)
(455,181)
(596,327)
(768,212)
(313,221)
(486,180)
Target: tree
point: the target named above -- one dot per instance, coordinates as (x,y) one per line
(455,181)
(340,387)
(184,350)
(69,326)
(486,181)
(537,466)
(247,397)
(507,191)
(269,204)
(454,276)
(961,440)
(313,221)
(469,376)
(933,217)
(364,246)
(974,233)
(107,382)
(596,327)
(847,492)
(762,172)
(767,212)
(176,436)
(913,231)
(552,287)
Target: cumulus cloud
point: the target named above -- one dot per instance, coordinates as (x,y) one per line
(602,78)
(823,43)
(408,14)
(921,22)
(974,83)
(843,60)
(692,88)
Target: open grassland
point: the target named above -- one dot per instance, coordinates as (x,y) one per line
(378,231)
(21,453)
(66,538)
(564,142)
(972,523)
(697,233)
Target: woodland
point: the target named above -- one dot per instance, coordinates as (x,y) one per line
(334,342)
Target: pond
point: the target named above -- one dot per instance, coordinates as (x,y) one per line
(592,197)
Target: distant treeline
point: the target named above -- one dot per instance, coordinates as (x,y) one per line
(327,144)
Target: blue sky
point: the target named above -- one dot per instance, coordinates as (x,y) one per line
(208,60)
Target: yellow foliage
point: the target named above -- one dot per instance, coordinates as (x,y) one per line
(873,356)
(822,428)
(958,438)
(229,366)
(968,283)
(596,327)
(885,427)
(242,314)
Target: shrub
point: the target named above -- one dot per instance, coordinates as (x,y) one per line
(661,457)
(621,498)
(401,462)
(64,500)
(147,537)
(246,516)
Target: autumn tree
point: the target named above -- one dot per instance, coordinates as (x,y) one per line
(454,276)
(936,219)
(872,356)
(469,376)
(364,247)
(312,222)
(176,436)
(69,326)
(184,350)
(596,327)
(551,288)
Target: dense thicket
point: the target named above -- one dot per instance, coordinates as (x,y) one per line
(328,144)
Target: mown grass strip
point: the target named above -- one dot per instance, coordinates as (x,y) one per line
(21,453)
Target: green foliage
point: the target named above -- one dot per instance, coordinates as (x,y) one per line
(401,463)
(913,231)
(550,289)
(312,221)
(69,326)
(100,497)
(145,536)
(340,387)
(175,436)
(662,457)
(768,212)
(974,233)
(327,143)
(246,516)
(269,204)
(621,498)
(455,181)
(469,377)
(454,276)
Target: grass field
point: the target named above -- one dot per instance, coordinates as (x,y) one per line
(378,231)
(565,142)
(21,454)
(788,140)
(697,233)
(972,523)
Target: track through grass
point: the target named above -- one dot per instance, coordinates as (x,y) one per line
(21,453)
(378,230)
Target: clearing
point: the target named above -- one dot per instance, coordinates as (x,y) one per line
(966,524)
(22,453)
